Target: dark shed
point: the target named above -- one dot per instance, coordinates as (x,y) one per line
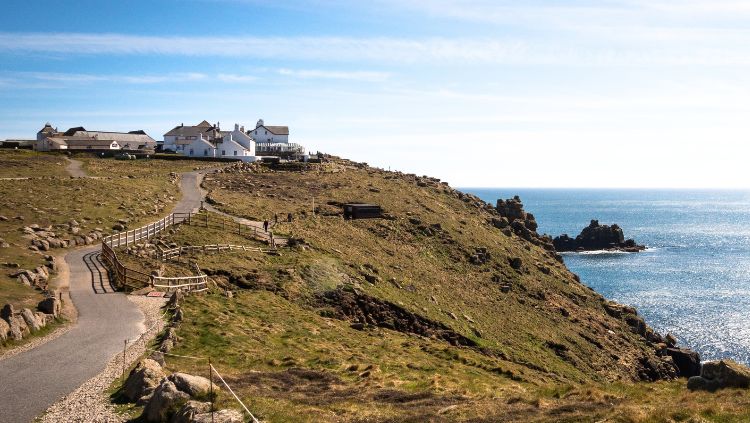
(362,211)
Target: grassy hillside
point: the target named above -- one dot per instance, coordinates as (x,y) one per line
(396,319)
(140,191)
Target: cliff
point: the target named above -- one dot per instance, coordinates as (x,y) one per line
(445,300)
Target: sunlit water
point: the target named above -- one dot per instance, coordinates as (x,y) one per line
(694,279)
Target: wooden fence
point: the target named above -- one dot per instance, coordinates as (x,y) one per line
(166,255)
(125,277)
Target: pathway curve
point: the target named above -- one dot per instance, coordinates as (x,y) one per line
(33,380)
(278,241)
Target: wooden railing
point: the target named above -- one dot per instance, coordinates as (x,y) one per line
(184,283)
(125,277)
(166,255)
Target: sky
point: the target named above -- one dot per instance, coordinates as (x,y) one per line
(480,93)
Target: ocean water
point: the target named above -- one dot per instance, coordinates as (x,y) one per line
(693,280)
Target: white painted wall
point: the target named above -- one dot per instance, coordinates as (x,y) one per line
(261,134)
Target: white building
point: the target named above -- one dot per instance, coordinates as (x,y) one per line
(270,134)
(206,140)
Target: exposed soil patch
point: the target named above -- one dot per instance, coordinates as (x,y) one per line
(364,309)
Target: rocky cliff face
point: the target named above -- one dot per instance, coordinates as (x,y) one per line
(597,237)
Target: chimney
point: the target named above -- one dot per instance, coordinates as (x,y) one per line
(236,127)
(242,128)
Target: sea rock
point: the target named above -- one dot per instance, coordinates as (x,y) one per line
(597,237)
(688,362)
(196,386)
(143,379)
(165,401)
(720,374)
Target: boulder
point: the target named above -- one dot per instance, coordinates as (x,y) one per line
(597,237)
(165,401)
(50,305)
(143,379)
(195,386)
(4,330)
(221,416)
(30,319)
(7,312)
(18,328)
(187,413)
(688,362)
(42,318)
(720,374)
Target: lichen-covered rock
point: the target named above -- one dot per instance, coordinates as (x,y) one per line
(50,305)
(195,386)
(143,379)
(187,413)
(165,401)
(221,416)
(31,320)
(720,374)
(4,330)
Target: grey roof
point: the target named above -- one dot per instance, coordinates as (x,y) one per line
(276,130)
(203,128)
(120,137)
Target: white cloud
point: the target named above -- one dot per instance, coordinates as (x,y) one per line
(91,78)
(454,51)
(233,78)
(369,76)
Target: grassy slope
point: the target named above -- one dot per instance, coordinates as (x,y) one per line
(130,189)
(291,363)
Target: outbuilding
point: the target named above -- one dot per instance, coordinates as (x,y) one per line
(362,211)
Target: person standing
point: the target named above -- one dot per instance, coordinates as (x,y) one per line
(275,218)
(265,226)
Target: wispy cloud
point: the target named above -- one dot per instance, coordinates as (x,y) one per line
(91,78)
(234,78)
(370,76)
(458,51)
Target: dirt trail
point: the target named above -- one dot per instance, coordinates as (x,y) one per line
(75,169)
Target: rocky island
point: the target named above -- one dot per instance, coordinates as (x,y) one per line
(597,237)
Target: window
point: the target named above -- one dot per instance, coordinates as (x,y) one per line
(266,132)
(223,152)
(191,151)
(205,152)
(235,152)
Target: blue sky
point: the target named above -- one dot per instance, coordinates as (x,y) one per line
(477,92)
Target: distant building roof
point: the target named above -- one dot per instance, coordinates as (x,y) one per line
(134,137)
(204,128)
(277,130)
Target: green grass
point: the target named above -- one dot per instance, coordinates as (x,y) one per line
(31,164)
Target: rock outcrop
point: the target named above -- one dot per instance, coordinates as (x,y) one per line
(143,379)
(720,374)
(597,237)
(164,402)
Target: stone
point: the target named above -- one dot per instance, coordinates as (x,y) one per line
(118,227)
(50,305)
(720,374)
(516,262)
(195,386)
(18,328)
(688,362)
(7,312)
(30,319)
(670,340)
(187,413)
(4,330)
(42,318)
(165,401)
(221,416)
(597,237)
(143,379)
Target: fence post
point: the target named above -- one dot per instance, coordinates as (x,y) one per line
(211,384)
(125,347)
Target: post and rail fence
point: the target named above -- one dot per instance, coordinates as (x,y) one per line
(126,277)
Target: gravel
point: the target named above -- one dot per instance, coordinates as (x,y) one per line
(90,402)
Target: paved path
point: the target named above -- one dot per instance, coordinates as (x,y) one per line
(32,381)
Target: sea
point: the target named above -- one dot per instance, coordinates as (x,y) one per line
(692,281)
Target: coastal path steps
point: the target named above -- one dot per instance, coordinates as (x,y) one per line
(35,379)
